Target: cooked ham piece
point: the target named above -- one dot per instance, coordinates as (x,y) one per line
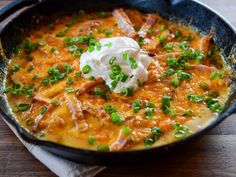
(124,22)
(120,142)
(151,19)
(75,108)
(205,44)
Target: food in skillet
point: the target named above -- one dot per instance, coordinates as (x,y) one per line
(116,81)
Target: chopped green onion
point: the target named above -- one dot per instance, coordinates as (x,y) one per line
(91,140)
(181,131)
(103,148)
(196,98)
(126,131)
(43,109)
(109,109)
(137,105)
(24,107)
(115,118)
(86,69)
(111,61)
(70,90)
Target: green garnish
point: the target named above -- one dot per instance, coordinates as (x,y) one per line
(86,69)
(53,49)
(69,81)
(150,31)
(100,92)
(15,68)
(150,105)
(196,98)
(77,74)
(126,131)
(70,90)
(30,68)
(127,91)
(214,105)
(24,107)
(149,113)
(137,105)
(188,113)
(109,109)
(91,140)
(56,102)
(175,82)
(116,118)
(103,148)
(172,62)
(43,110)
(62,32)
(183,75)
(204,86)
(166,108)
(162,39)
(215,75)
(111,61)
(148,142)
(45,81)
(29,122)
(139,83)
(91,78)
(103,14)
(181,131)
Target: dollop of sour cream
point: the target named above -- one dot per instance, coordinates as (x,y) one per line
(119,61)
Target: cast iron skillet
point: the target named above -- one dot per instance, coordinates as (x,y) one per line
(185,11)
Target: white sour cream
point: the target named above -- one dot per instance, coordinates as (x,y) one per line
(116,47)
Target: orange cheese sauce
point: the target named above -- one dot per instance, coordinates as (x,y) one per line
(65,109)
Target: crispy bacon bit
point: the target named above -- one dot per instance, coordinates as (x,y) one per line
(120,142)
(151,19)
(205,44)
(124,22)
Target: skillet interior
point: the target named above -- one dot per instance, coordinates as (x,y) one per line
(184,11)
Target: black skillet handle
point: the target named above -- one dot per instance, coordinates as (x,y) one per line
(14,6)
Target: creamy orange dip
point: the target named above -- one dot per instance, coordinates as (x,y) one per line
(182,87)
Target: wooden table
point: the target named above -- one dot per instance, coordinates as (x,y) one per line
(212,155)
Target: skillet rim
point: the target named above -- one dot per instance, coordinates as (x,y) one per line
(25,135)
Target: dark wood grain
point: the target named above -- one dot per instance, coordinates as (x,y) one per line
(212,155)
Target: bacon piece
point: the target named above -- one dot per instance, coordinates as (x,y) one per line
(120,142)
(75,107)
(151,19)
(205,44)
(124,22)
